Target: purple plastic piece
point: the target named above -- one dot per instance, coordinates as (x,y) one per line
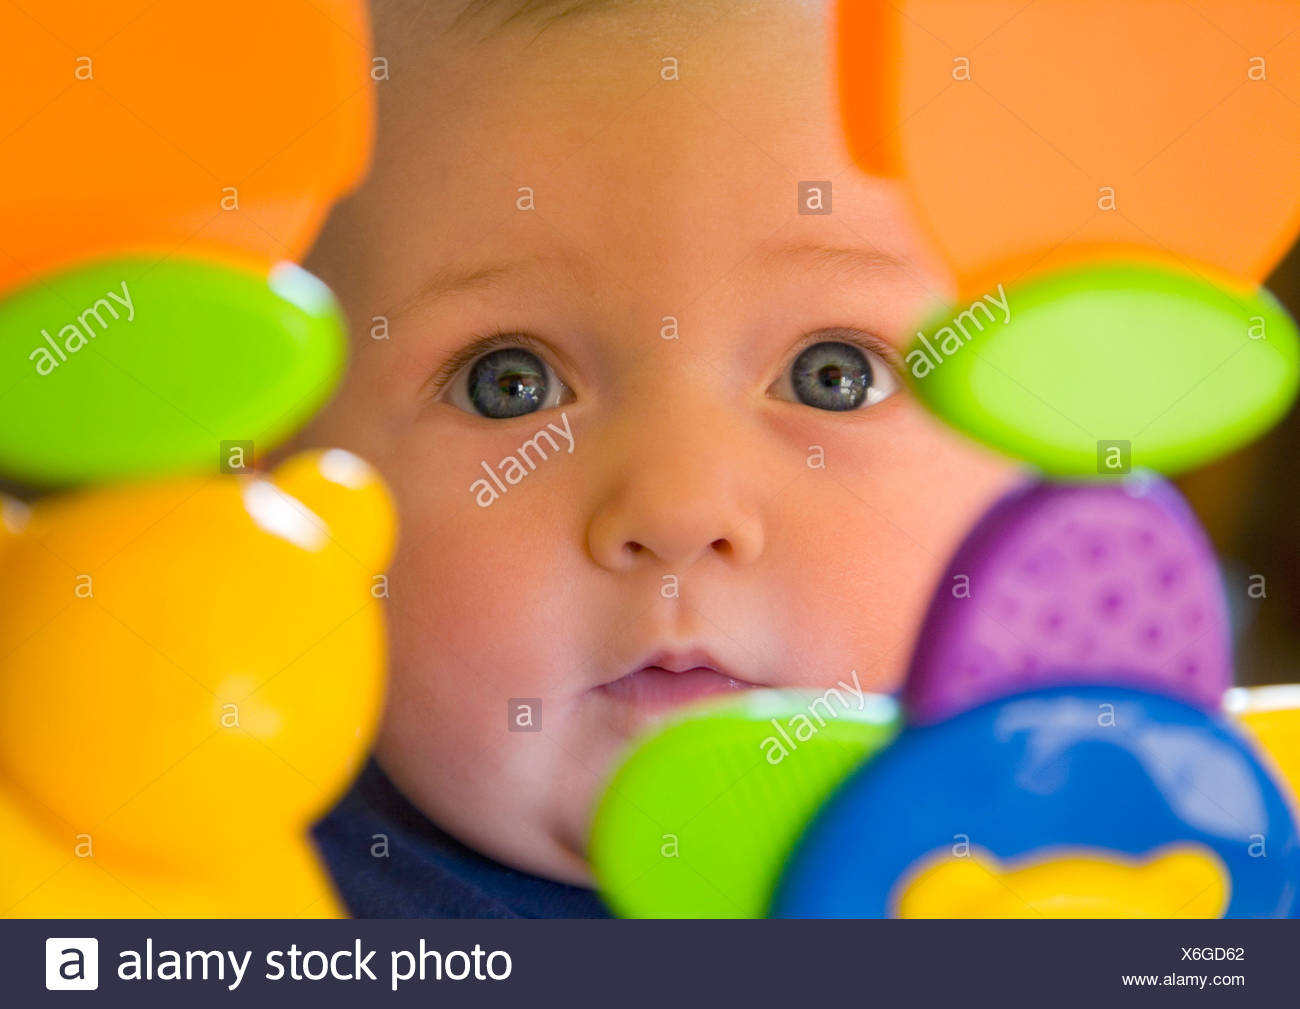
(1076,583)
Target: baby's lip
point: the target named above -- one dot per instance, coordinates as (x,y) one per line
(669,678)
(683,661)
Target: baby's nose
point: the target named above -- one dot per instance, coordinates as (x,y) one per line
(675,534)
(676,502)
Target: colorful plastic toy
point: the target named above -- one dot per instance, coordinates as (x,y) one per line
(1029,136)
(129,367)
(178,129)
(1100,774)
(1097,369)
(700,817)
(1064,753)
(1271,716)
(193,671)
(1102,579)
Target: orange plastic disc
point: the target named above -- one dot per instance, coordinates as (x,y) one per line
(222,129)
(1033,135)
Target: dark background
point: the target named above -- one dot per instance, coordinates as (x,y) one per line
(1249,503)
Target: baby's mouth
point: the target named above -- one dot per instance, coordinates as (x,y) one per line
(669,679)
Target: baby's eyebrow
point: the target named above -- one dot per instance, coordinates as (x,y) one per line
(855,266)
(537,12)
(849,257)
(455,279)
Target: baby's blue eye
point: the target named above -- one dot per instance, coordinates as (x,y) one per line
(839,376)
(508,383)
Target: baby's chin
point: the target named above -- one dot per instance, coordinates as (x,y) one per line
(595,734)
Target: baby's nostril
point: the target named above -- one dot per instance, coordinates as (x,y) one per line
(633,547)
(722,546)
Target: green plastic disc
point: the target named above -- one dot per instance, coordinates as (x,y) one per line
(698,821)
(128,367)
(1097,370)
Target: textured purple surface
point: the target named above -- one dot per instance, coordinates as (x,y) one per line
(1076,583)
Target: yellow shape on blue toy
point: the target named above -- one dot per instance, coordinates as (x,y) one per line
(190,674)
(1176,881)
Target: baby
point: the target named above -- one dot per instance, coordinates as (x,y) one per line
(627,325)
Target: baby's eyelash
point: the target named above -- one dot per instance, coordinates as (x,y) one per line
(476,348)
(883,349)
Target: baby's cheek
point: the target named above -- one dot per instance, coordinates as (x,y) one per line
(874,533)
(847,586)
(476,595)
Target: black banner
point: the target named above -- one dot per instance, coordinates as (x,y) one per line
(648,963)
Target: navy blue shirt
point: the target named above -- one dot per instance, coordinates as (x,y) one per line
(427,873)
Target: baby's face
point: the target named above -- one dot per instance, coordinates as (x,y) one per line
(732,489)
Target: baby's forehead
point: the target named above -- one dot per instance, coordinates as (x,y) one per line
(571,144)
